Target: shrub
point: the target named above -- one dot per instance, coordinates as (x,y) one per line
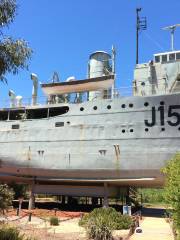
(6,196)
(54,221)
(12,233)
(83,221)
(102,221)
(172,189)
(123,222)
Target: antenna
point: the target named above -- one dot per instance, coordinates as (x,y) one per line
(113,59)
(141,24)
(113,69)
(55,77)
(172,30)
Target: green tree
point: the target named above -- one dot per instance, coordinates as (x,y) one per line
(14,53)
(152,195)
(172,189)
(20,190)
(6,197)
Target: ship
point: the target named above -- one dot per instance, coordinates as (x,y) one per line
(86,138)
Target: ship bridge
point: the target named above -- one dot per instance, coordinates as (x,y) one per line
(159,76)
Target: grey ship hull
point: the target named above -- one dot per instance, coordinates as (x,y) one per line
(114,143)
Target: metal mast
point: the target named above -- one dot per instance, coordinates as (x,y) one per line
(113,60)
(113,70)
(141,24)
(172,30)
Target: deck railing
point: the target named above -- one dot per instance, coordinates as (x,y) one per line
(148,90)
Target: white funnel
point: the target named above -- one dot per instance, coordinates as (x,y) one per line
(19,101)
(12,96)
(34,78)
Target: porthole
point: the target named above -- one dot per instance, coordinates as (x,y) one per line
(162,129)
(123,105)
(108,106)
(179,128)
(68,122)
(123,131)
(146,129)
(81,109)
(146,104)
(162,103)
(95,107)
(130,105)
(131,130)
(143,84)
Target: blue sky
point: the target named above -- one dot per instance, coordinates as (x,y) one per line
(62,34)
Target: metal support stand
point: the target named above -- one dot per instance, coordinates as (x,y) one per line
(30,216)
(63,200)
(101,202)
(128,197)
(31,199)
(17,213)
(105,202)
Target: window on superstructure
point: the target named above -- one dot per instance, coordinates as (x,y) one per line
(17,114)
(164,58)
(178,56)
(3,115)
(157,59)
(172,57)
(56,111)
(37,113)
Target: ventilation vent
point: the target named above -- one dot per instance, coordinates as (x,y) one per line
(15,126)
(59,124)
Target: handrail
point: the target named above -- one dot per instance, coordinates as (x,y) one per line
(140,90)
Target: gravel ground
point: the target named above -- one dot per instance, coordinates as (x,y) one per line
(152,227)
(40,228)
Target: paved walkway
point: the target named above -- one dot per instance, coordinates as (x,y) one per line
(154,229)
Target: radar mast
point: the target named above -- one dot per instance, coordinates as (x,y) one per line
(172,30)
(141,24)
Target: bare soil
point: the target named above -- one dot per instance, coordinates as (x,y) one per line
(40,228)
(153,225)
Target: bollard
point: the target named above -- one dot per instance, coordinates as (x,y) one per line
(17,212)
(30,215)
(55,211)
